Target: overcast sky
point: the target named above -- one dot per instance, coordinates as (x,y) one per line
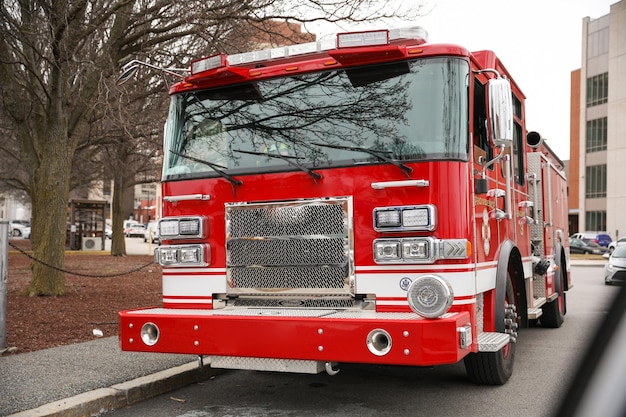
(539,41)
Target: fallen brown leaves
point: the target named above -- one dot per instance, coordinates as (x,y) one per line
(34,323)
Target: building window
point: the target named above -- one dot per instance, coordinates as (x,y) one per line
(597,89)
(595,181)
(598,43)
(596,135)
(595,220)
(106,188)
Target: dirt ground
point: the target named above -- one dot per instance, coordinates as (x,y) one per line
(90,303)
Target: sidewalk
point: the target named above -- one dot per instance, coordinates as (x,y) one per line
(88,378)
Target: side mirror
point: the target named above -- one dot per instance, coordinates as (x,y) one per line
(500,111)
(127,74)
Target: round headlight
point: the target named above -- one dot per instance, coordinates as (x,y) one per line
(430,296)
(150,334)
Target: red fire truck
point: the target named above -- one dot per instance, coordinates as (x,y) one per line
(369,199)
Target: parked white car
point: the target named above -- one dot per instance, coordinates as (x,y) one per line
(135,230)
(152,231)
(616,243)
(16,227)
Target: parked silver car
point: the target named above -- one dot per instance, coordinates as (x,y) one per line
(615,269)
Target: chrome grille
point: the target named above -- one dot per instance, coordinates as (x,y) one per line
(284,250)
(277,302)
(288,277)
(301,248)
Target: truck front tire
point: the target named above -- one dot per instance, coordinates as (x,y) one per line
(493,368)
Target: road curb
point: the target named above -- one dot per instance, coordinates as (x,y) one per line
(120,395)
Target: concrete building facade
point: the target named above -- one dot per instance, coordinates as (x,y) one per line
(598,127)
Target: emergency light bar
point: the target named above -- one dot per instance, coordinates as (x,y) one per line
(373,38)
(343,40)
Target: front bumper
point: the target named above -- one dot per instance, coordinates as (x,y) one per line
(315,335)
(617,276)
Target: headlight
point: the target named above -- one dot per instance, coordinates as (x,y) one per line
(415,249)
(401,218)
(430,296)
(183,255)
(387,250)
(419,250)
(183,227)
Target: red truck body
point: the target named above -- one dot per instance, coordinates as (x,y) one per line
(378,200)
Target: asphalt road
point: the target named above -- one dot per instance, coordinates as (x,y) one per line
(545,362)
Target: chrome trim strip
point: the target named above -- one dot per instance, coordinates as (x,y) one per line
(188,197)
(396,184)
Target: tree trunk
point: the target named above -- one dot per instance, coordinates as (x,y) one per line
(50,190)
(118,243)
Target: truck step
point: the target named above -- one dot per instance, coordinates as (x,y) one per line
(534,313)
(492,342)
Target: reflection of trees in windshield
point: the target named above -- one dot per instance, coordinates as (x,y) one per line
(408,110)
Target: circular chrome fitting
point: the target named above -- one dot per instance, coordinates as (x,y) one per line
(379,342)
(150,334)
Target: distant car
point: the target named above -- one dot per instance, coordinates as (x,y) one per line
(135,230)
(601,238)
(108,232)
(16,227)
(580,246)
(615,243)
(152,231)
(26,232)
(615,269)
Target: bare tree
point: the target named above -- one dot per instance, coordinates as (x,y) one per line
(55,57)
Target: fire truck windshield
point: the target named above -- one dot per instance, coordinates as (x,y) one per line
(395,112)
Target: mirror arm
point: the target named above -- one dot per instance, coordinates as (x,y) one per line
(129,70)
(493,161)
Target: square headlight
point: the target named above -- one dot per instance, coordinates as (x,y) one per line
(166,255)
(168,228)
(415,249)
(386,250)
(189,226)
(388,218)
(416,217)
(190,255)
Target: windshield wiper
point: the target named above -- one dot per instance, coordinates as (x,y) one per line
(286,158)
(378,154)
(215,167)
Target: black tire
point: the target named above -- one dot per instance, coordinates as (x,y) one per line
(554,311)
(493,368)
(16,233)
